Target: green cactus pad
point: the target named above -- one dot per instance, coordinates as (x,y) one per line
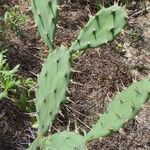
(124,107)
(45,14)
(60,141)
(100,29)
(51,87)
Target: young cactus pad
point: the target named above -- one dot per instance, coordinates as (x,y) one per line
(100,29)
(124,107)
(60,141)
(51,87)
(45,13)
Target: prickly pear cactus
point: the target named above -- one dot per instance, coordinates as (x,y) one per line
(55,76)
(51,88)
(124,107)
(60,141)
(45,15)
(100,29)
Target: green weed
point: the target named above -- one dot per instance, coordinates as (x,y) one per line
(8,79)
(14,18)
(10,82)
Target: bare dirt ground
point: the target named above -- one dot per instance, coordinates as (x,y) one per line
(102,72)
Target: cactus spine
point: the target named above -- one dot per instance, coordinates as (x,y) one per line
(55,75)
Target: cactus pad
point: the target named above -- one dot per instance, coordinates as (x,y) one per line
(60,141)
(45,14)
(100,29)
(51,88)
(124,107)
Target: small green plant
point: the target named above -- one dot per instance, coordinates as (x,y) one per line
(10,82)
(8,79)
(134,34)
(55,76)
(24,97)
(14,19)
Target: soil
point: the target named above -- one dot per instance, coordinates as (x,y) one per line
(102,72)
(15,129)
